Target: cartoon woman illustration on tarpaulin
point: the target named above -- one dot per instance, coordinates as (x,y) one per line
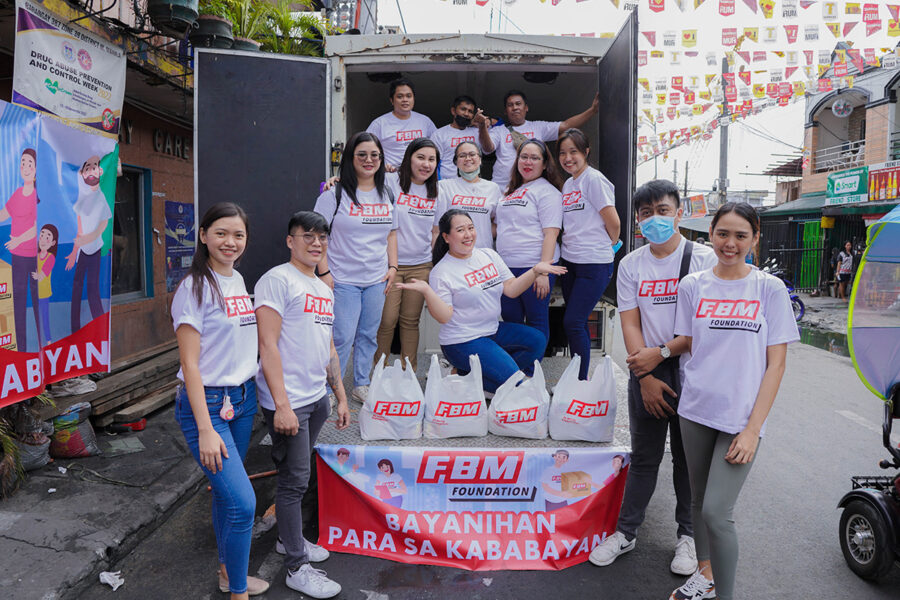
(389,486)
(46,258)
(21,209)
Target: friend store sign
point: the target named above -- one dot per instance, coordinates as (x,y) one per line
(472,508)
(847,187)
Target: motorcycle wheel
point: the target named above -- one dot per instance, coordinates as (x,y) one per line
(864,541)
(799,308)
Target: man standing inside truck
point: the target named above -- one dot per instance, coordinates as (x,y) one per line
(402,125)
(468,124)
(517,129)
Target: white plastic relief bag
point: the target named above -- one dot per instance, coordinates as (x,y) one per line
(454,404)
(395,405)
(584,410)
(520,406)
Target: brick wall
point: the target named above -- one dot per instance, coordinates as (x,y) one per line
(878,133)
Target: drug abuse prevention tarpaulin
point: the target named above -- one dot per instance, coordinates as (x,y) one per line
(478,509)
(57,189)
(67,71)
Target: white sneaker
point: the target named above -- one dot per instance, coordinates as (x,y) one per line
(609,549)
(685,561)
(314,552)
(360,393)
(312,582)
(698,587)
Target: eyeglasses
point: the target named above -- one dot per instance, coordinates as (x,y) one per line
(375,156)
(467,155)
(309,238)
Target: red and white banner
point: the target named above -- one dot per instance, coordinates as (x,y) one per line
(477,509)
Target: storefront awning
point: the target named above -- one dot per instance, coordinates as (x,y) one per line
(862,208)
(804,204)
(700,224)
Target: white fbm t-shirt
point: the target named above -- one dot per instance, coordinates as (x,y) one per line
(650,284)
(228,340)
(504,146)
(306,306)
(479,199)
(472,286)
(357,245)
(396,134)
(415,214)
(553,477)
(584,238)
(731,323)
(447,138)
(521,219)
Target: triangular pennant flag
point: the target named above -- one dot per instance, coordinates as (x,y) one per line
(788,71)
(809,55)
(745,77)
(697,3)
(848,27)
(806,3)
(767,7)
(873,27)
(651,37)
(745,56)
(615,3)
(894,9)
(657,5)
(834,28)
(751,4)
(870,13)
(791,33)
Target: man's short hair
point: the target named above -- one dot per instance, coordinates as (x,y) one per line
(654,191)
(512,93)
(464,98)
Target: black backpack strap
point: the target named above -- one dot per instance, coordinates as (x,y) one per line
(337,203)
(686,259)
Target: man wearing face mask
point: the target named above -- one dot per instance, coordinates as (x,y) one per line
(646,291)
(468,124)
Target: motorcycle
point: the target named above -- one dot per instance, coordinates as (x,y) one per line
(869,526)
(772,267)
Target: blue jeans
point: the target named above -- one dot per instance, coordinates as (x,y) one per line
(513,348)
(582,287)
(44,305)
(357,315)
(233,498)
(528,309)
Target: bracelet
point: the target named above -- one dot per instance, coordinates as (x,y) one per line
(325,273)
(393,267)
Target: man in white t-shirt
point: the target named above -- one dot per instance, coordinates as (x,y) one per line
(505,142)
(295,316)
(468,124)
(402,125)
(647,290)
(551,482)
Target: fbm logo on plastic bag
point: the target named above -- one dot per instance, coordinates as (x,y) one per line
(584,409)
(470,466)
(520,415)
(397,409)
(449,409)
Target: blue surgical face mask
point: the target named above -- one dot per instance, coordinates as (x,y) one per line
(658,229)
(470,176)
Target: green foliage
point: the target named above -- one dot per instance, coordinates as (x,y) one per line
(219,8)
(249,17)
(290,32)
(11,429)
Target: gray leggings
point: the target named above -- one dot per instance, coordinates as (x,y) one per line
(715,485)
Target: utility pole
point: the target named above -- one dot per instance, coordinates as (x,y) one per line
(675,172)
(686,165)
(723,140)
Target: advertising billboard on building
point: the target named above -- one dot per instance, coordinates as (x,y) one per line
(847,187)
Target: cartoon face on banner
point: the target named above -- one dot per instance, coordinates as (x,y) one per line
(57,189)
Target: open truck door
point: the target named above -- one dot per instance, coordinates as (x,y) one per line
(618,133)
(261,140)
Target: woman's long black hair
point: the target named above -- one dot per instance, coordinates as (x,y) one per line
(405,170)
(550,172)
(440,244)
(200,269)
(348,179)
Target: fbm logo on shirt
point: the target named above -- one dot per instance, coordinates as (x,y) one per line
(322,309)
(454,142)
(6,340)
(470,466)
(486,276)
(528,134)
(520,415)
(663,291)
(372,214)
(408,136)
(572,201)
(730,314)
(417,205)
(448,409)
(397,409)
(578,408)
(3,288)
(517,198)
(238,306)
(469,203)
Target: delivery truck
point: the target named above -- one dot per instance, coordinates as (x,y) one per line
(269,128)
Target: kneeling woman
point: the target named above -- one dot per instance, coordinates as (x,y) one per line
(464,296)
(736,321)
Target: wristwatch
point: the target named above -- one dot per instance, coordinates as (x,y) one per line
(664,351)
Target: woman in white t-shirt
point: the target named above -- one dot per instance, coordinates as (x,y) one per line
(466,284)
(216,331)
(844,269)
(361,260)
(415,187)
(590,229)
(469,192)
(402,125)
(389,486)
(736,321)
(528,222)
